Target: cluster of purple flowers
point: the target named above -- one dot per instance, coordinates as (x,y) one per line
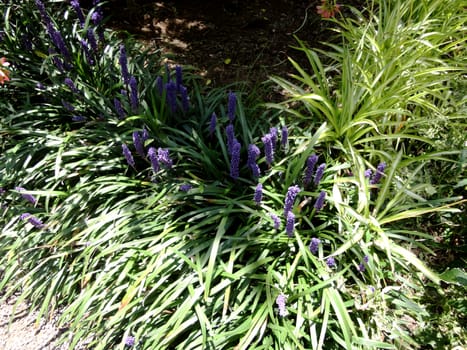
(128,156)
(284,136)
(276,221)
(130,341)
(119,108)
(268,148)
(32,220)
(234,149)
(362,265)
(314,245)
(155,156)
(185,187)
(378,174)
(26,196)
(130,83)
(258,193)
(331,262)
(55,35)
(235,159)
(134,101)
(139,137)
(170,90)
(281,302)
(60,52)
(230,134)
(212,124)
(289,216)
(292,193)
(253,154)
(290,224)
(69,82)
(232,106)
(123,61)
(79,12)
(310,170)
(269,141)
(320,201)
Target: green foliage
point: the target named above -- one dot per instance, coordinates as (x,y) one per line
(182,256)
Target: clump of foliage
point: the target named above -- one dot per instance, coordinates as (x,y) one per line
(156,214)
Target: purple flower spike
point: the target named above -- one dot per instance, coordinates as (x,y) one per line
(235,160)
(253,154)
(128,155)
(310,168)
(71,85)
(284,136)
(276,221)
(134,94)
(56,60)
(171,95)
(124,65)
(68,106)
(268,148)
(36,222)
(273,132)
(232,106)
(179,77)
(314,245)
(144,134)
(320,201)
(319,173)
(119,108)
(212,124)
(258,194)
(130,341)
(44,15)
(292,193)
(29,197)
(59,43)
(331,262)
(87,52)
(97,17)
(185,187)
(281,301)
(289,228)
(152,155)
(79,12)
(159,85)
(24,216)
(32,220)
(368,173)
(379,173)
(229,130)
(138,143)
(164,157)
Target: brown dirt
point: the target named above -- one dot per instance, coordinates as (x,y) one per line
(226,41)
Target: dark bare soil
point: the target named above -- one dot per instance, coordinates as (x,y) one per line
(225,41)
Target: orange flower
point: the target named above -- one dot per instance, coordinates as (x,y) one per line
(327,9)
(4,71)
